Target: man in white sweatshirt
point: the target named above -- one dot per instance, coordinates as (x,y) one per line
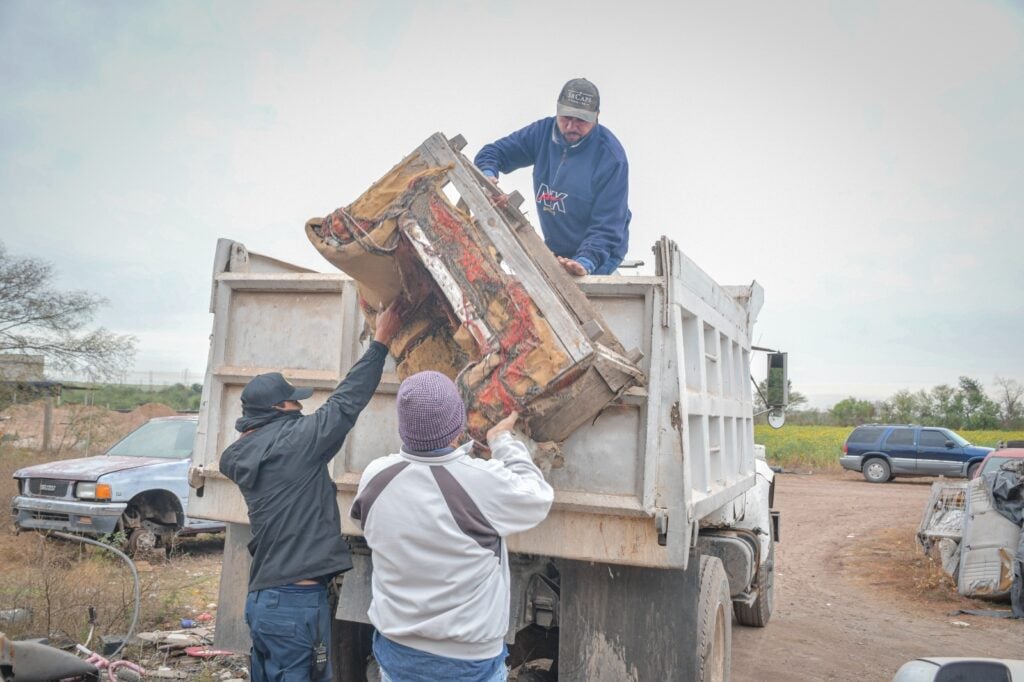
(436,519)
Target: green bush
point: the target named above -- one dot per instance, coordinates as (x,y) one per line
(128,397)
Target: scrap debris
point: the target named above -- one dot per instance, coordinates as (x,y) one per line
(468,314)
(180,654)
(942,525)
(977,528)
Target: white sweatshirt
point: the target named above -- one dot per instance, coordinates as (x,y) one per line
(436,526)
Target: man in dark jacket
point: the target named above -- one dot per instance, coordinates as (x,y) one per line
(580,180)
(280,464)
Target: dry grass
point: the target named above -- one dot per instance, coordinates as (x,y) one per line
(893,563)
(56,581)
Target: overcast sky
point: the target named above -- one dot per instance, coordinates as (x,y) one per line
(861,160)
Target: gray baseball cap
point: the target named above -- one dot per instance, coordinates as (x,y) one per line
(580,99)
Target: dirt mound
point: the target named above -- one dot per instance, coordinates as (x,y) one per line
(150,410)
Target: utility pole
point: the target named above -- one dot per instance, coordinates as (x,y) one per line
(47,423)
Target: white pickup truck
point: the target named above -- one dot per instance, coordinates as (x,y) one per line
(138,487)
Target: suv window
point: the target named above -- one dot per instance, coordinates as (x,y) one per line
(865,434)
(956,438)
(901,437)
(933,439)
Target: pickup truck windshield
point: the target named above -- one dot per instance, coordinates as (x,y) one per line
(171,439)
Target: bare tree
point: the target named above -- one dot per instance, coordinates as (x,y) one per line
(36,318)
(1010,397)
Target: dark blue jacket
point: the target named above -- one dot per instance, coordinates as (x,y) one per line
(581,190)
(280,464)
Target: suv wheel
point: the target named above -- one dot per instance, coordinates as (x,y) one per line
(876,470)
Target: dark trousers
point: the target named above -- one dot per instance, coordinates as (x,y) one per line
(286,624)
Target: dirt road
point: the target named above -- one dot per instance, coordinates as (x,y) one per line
(854,597)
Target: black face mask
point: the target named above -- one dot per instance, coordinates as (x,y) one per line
(255,417)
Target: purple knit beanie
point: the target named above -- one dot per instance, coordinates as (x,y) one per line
(431,413)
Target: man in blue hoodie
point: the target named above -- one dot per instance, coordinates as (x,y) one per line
(280,464)
(580,180)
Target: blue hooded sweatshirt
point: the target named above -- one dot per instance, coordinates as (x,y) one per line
(581,190)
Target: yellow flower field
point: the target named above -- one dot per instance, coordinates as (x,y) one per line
(820,447)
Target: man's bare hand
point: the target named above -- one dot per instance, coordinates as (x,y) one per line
(389,322)
(505,425)
(499,200)
(574,268)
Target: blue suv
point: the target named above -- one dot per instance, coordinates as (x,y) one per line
(883,451)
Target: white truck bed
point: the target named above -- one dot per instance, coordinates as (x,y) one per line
(630,487)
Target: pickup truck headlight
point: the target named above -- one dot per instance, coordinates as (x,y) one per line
(93,491)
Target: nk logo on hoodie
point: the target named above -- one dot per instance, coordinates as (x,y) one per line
(551,201)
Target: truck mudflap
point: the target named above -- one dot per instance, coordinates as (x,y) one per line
(625,623)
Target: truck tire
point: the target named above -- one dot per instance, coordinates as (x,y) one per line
(876,470)
(714,622)
(759,613)
(972,470)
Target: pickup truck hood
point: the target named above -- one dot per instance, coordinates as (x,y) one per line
(86,468)
(976,451)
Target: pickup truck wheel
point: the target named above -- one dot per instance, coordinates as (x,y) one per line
(972,470)
(714,622)
(141,541)
(876,470)
(760,612)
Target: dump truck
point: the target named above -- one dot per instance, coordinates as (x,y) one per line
(661,527)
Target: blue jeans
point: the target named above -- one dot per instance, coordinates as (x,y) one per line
(400,663)
(286,623)
(500,676)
